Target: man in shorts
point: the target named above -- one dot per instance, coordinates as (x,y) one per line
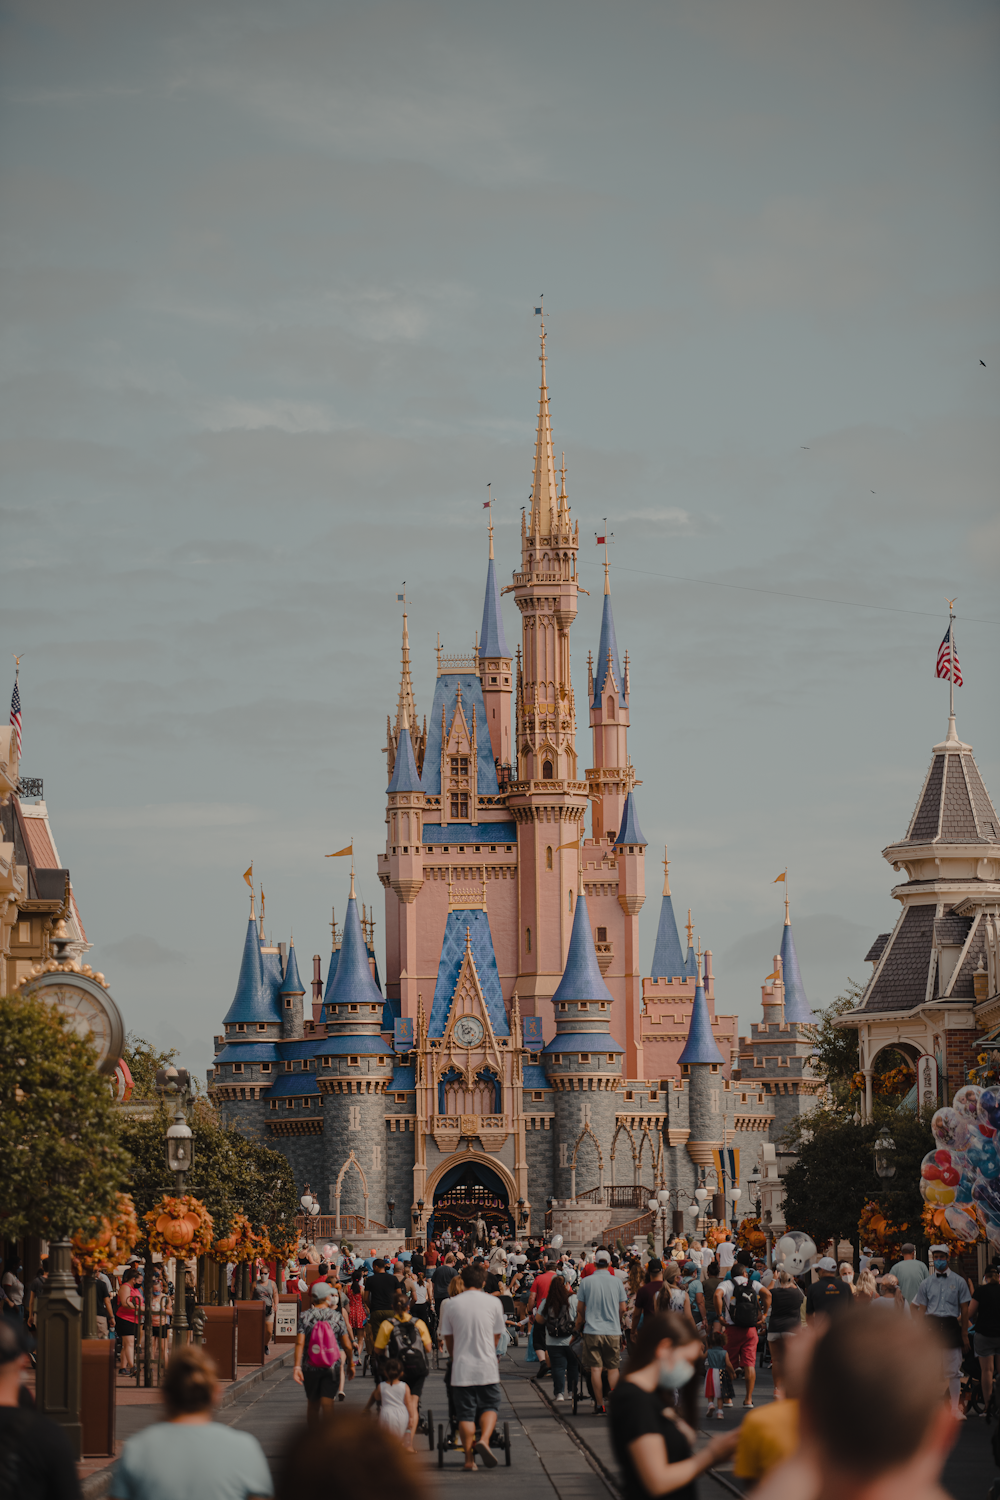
(320,1381)
(601,1300)
(742,1307)
(471,1325)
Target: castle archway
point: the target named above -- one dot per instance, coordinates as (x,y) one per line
(467,1187)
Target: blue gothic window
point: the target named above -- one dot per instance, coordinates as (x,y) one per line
(452,1077)
(487,1076)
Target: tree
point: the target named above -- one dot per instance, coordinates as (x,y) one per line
(835,1058)
(62,1164)
(827,1188)
(144,1061)
(231,1174)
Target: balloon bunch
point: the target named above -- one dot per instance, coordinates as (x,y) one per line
(962,1174)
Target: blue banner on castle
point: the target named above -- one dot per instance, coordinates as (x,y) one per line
(403,1041)
(532,1028)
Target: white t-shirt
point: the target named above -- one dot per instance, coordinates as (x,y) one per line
(726,1287)
(726,1254)
(472,1319)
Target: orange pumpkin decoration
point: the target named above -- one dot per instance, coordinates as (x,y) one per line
(179,1224)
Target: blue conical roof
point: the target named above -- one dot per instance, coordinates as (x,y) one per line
(492,641)
(700,1046)
(252,1001)
(474,927)
(691,964)
(630,832)
(608,643)
(668,960)
(582,978)
(292,984)
(796,1005)
(331,974)
(404,772)
(353,981)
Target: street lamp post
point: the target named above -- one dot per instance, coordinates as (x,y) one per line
(734,1194)
(174,1083)
(391,1206)
(884,1149)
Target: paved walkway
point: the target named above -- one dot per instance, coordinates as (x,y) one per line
(553,1453)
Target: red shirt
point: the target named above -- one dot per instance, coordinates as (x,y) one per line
(540,1285)
(430,1256)
(587,1271)
(645,1297)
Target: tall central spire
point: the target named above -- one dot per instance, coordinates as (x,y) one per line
(406,707)
(544,492)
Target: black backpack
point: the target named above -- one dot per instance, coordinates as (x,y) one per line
(558,1321)
(406,1345)
(745,1306)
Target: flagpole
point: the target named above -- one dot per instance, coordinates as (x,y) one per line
(951,664)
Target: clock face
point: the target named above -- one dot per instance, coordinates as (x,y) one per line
(469,1031)
(90,1012)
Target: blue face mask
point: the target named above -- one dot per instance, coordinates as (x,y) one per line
(940,1266)
(679,1373)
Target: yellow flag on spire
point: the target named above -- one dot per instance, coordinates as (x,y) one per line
(776,975)
(779,877)
(337,853)
(573,844)
(248,876)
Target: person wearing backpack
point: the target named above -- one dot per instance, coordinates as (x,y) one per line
(407,1340)
(742,1306)
(317,1353)
(557,1312)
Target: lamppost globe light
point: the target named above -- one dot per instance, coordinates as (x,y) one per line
(654,1207)
(694,1208)
(701,1193)
(734,1194)
(664,1197)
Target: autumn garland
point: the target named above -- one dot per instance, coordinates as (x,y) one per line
(110,1239)
(238,1245)
(879,1232)
(179,1225)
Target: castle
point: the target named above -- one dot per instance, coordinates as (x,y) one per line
(519,1064)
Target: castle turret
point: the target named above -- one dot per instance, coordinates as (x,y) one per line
(583,1063)
(668,960)
(248,1051)
(796,1005)
(630,858)
(611,777)
(405,860)
(701,1062)
(495,667)
(358,1075)
(290,997)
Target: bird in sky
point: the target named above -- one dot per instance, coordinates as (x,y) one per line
(983,363)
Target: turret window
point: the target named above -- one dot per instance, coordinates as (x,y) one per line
(527,939)
(262,1025)
(548,857)
(585,1057)
(547,770)
(611,1057)
(602,934)
(570,895)
(611,708)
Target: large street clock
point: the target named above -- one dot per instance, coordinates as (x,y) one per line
(88,1008)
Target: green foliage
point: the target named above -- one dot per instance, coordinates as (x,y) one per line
(826,1189)
(62,1165)
(836,1057)
(144,1061)
(230,1174)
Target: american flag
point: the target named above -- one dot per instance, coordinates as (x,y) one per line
(15,715)
(947,657)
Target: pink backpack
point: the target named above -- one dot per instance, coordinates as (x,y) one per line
(324,1351)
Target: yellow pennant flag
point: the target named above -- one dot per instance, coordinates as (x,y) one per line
(573,844)
(779,877)
(771,977)
(248,876)
(338,852)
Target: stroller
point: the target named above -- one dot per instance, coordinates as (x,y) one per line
(498,1439)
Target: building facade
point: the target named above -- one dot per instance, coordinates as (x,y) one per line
(519,1054)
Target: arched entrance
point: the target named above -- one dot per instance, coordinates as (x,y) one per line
(468,1190)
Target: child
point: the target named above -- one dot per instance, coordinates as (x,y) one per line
(390,1396)
(717,1364)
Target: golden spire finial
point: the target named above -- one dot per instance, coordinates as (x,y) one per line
(666,872)
(690,927)
(262,913)
(698,955)
(489,507)
(544,494)
(788,920)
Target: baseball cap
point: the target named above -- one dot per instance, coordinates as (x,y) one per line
(320,1291)
(826,1264)
(602,1258)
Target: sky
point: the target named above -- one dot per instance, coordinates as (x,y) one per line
(268,279)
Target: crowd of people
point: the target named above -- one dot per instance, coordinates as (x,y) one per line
(660,1342)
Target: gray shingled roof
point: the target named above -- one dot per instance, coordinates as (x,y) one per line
(901,983)
(951,931)
(875,951)
(954,805)
(963,988)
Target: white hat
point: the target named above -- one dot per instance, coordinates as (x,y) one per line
(602,1258)
(826,1264)
(943,1249)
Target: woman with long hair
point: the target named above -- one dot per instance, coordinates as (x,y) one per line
(557,1314)
(128,1313)
(187,1453)
(653,1443)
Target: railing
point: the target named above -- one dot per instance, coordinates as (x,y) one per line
(324,1226)
(631,1195)
(632,1229)
(30,786)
